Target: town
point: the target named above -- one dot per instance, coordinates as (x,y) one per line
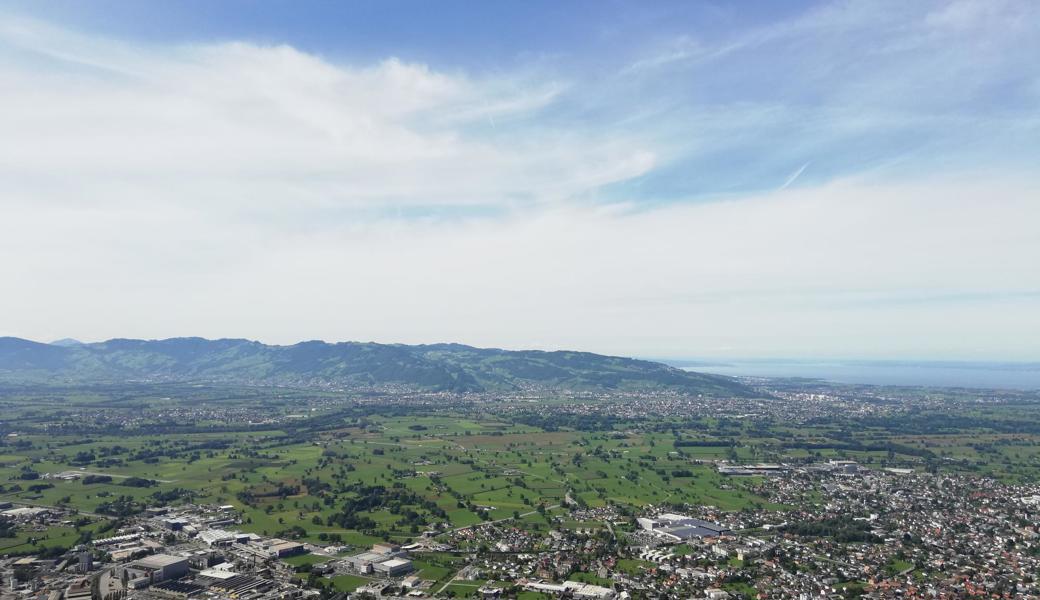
(813,491)
(869,533)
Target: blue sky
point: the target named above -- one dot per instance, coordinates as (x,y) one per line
(472,35)
(847,179)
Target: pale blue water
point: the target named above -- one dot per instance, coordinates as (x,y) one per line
(939,374)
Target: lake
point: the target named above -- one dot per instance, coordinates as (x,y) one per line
(938,374)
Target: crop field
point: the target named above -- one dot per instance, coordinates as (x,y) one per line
(423,470)
(311,469)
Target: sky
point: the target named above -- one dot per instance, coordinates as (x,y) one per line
(849,179)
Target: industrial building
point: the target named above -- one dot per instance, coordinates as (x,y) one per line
(79,590)
(393,567)
(269,548)
(388,559)
(222,538)
(177,589)
(679,528)
(281,548)
(574,589)
(155,568)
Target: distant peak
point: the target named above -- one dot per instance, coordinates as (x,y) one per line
(66,342)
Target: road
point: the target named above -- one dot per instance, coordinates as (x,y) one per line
(108,583)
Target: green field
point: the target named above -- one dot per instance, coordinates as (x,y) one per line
(311,466)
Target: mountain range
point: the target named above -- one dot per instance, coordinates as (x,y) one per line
(359,365)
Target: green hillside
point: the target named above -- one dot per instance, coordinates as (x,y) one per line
(438,367)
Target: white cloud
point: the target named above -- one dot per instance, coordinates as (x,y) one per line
(240,190)
(935,269)
(245,119)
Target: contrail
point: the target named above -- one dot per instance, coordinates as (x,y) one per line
(794,176)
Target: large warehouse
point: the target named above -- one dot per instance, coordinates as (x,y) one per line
(383,558)
(156,568)
(680,528)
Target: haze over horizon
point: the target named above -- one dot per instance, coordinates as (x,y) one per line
(817,179)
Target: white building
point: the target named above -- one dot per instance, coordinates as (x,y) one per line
(393,567)
(382,558)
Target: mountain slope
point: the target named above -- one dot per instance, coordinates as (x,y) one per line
(439,367)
